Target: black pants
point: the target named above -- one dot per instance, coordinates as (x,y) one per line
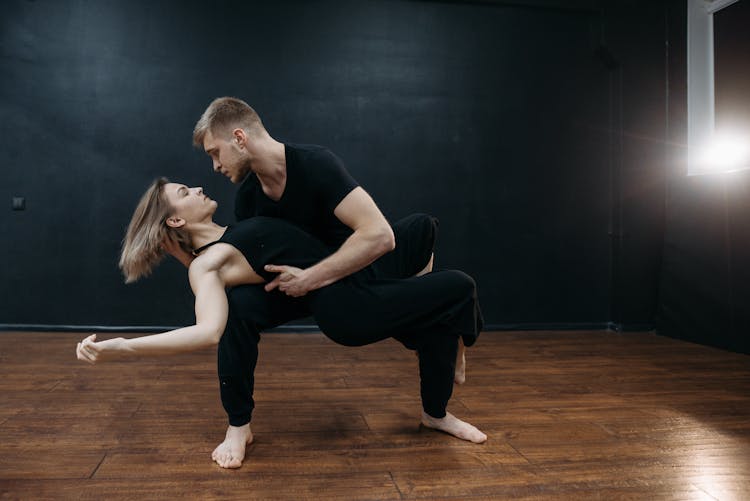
(252,309)
(427,314)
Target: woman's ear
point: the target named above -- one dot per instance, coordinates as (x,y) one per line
(175,222)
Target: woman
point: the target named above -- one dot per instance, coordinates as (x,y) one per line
(427,313)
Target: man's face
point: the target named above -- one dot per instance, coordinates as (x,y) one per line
(228,158)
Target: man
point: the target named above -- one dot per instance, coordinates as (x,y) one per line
(308,186)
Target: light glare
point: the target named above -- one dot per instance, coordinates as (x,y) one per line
(726,153)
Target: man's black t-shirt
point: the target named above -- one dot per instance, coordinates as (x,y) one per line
(316,183)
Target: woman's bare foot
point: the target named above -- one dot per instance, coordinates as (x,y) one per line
(231,452)
(460,375)
(451,425)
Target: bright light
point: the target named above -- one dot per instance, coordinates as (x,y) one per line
(725,153)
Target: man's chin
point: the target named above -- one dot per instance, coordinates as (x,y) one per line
(239,178)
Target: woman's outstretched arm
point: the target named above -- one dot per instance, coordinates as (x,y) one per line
(211,310)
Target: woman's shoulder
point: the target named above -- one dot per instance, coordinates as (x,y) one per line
(212,259)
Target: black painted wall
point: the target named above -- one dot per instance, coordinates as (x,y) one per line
(635,35)
(534,130)
(705,277)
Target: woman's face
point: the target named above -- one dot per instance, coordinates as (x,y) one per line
(190,204)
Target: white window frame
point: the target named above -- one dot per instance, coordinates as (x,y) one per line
(700,81)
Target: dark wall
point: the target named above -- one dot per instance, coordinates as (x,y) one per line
(634,35)
(705,278)
(517,125)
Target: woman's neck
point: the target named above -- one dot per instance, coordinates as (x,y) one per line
(204,233)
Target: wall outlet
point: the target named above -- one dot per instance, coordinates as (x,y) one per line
(18,203)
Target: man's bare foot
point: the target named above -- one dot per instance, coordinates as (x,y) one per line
(460,375)
(231,452)
(453,426)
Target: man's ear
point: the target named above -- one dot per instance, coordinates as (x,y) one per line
(175,222)
(239,137)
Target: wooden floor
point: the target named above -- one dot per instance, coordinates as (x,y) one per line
(570,415)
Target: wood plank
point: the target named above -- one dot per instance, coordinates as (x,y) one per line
(571,415)
(217,484)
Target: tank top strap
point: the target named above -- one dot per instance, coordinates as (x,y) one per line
(209,244)
(204,247)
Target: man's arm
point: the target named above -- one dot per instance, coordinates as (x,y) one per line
(372,238)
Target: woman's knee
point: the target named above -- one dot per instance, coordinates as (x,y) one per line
(425,222)
(339,330)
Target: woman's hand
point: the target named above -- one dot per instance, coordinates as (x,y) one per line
(92,352)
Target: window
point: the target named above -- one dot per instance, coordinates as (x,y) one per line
(718,143)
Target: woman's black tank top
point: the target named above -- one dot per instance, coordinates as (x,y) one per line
(265,240)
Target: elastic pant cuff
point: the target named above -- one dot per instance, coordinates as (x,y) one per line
(239,420)
(436,413)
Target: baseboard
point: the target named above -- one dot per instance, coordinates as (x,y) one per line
(528,326)
(631,327)
(85,328)
(548,326)
(129,328)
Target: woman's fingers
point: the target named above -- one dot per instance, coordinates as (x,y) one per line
(87,350)
(92,347)
(82,354)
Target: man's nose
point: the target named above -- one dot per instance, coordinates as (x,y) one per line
(217,166)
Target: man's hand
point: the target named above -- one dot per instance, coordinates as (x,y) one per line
(92,352)
(173,248)
(291,281)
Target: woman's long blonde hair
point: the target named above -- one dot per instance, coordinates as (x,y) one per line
(142,246)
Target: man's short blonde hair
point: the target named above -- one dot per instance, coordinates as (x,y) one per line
(223,115)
